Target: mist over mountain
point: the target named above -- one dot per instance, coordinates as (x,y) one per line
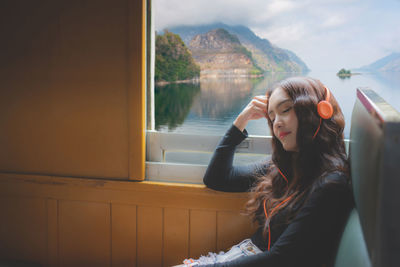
(268,57)
(389,63)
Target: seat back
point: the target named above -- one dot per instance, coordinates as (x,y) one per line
(372,236)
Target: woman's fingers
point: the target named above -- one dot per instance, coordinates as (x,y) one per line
(261,104)
(262,98)
(258,112)
(256,109)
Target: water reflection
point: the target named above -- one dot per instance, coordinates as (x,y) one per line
(220,97)
(210,106)
(173,103)
(388,79)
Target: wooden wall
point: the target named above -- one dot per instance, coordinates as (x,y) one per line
(58,221)
(72,139)
(72,88)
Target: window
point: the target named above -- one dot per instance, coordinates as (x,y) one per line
(177,153)
(271,41)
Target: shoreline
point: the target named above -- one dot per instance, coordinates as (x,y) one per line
(219,76)
(194,80)
(348,75)
(205,77)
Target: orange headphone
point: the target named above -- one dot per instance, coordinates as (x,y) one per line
(325,109)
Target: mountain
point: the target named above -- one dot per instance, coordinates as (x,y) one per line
(220,53)
(267,56)
(174,61)
(388,63)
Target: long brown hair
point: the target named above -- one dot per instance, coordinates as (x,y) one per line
(315,157)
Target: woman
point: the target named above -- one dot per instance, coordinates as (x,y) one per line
(302,196)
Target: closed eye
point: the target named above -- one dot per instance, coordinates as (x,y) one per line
(286,110)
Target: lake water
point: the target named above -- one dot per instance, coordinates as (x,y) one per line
(210,107)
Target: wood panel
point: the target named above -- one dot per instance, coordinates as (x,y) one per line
(73,89)
(84,233)
(229,222)
(176,236)
(123,235)
(123,224)
(52,232)
(149,236)
(137,88)
(203,232)
(23,229)
(176,195)
(88,98)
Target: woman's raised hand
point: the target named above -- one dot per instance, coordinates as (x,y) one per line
(256,109)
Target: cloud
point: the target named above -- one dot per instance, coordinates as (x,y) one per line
(325,34)
(278,7)
(173,12)
(334,21)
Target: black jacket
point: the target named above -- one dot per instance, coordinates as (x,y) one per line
(311,238)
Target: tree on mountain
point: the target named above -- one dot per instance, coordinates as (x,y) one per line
(173,59)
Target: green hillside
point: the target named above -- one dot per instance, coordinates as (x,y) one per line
(174,61)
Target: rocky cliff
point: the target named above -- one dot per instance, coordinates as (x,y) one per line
(268,57)
(220,53)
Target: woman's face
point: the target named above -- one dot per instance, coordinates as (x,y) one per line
(283,118)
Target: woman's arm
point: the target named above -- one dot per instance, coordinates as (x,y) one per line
(222,175)
(312,237)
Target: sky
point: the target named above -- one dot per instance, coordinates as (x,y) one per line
(325,34)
